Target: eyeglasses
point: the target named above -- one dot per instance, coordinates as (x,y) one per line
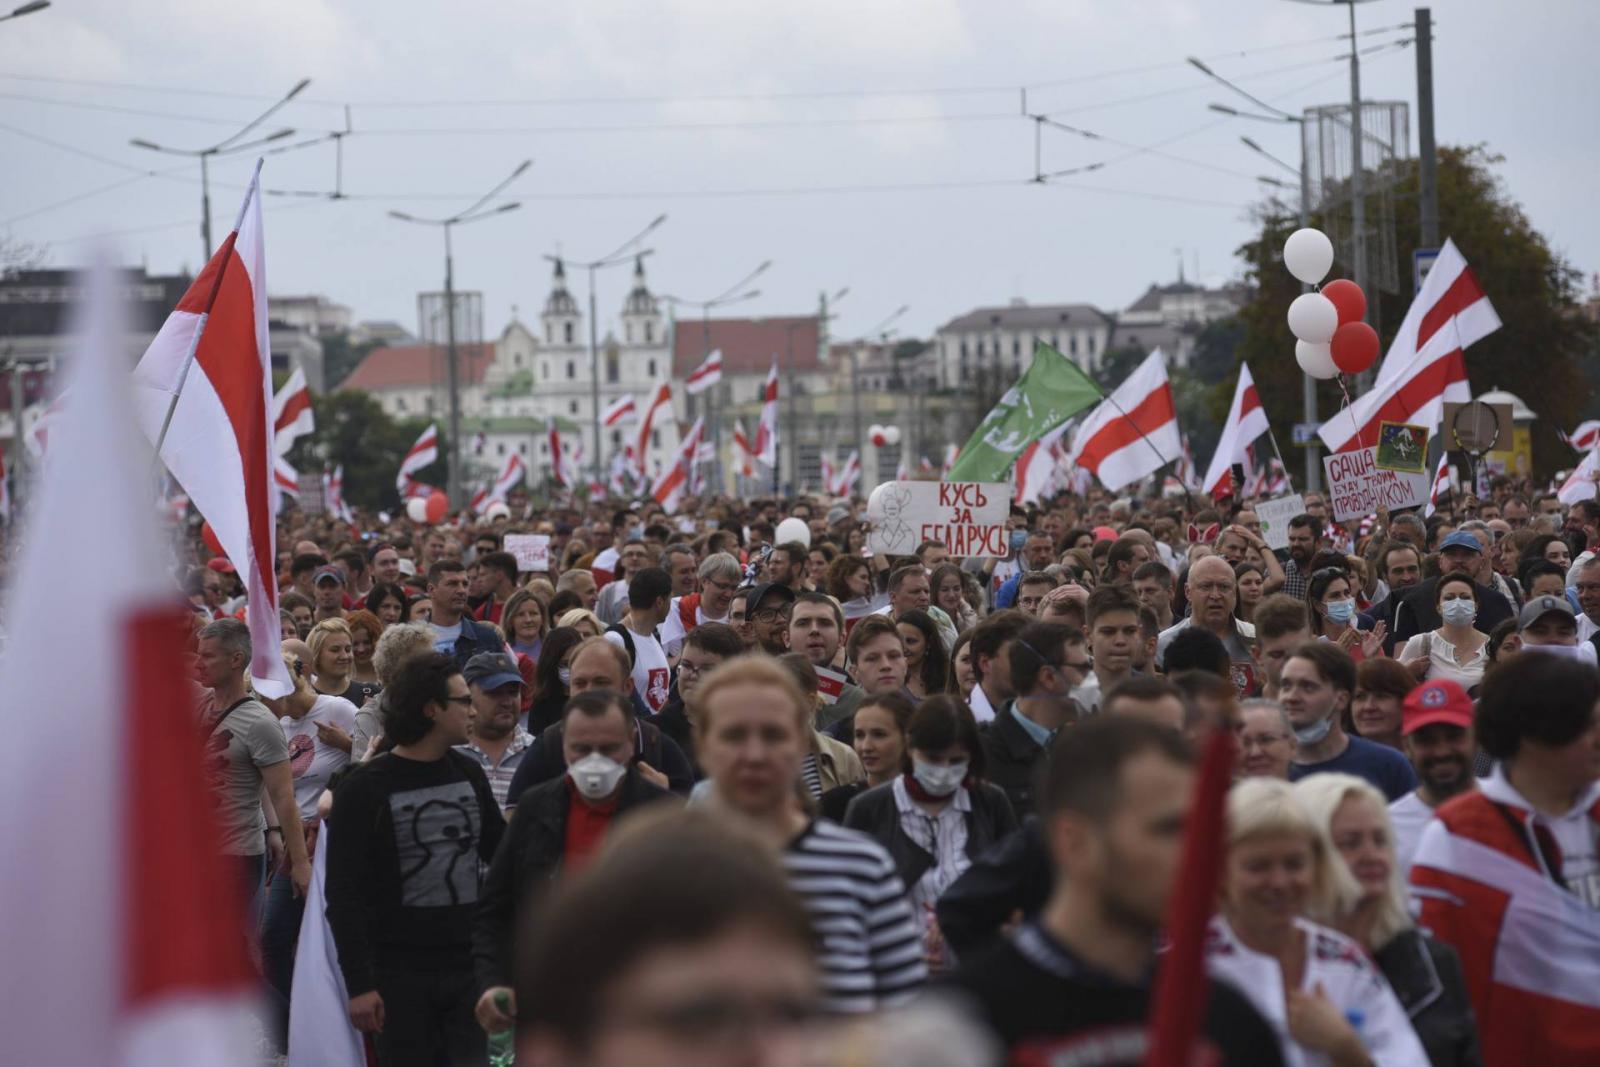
(467,700)
(726,587)
(688,666)
(770,615)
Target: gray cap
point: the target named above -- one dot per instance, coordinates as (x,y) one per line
(1540,606)
(837,514)
(491,670)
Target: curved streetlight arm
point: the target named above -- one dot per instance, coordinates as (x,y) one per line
(299,87)
(496,191)
(26,9)
(742,282)
(622,253)
(1225,83)
(250,145)
(1251,144)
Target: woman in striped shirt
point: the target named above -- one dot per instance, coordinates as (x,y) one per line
(752,726)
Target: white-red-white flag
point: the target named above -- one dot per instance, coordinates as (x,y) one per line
(744,456)
(618,410)
(422,454)
(292,416)
(767,429)
(333,495)
(285,479)
(1441,486)
(707,374)
(1581,483)
(1424,367)
(902,470)
(1039,465)
(126,947)
(660,406)
(1185,471)
(670,488)
(704,457)
(512,472)
(952,452)
(1134,431)
(1247,420)
(564,467)
(924,465)
(844,484)
(1586,438)
(210,367)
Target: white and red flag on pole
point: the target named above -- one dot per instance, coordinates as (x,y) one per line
(1134,431)
(660,404)
(512,473)
(670,488)
(1441,486)
(1040,463)
(766,448)
(133,936)
(1247,420)
(704,457)
(1424,367)
(621,408)
(952,453)
(292,416)
(563,468)
(1185,471)
(285,479)
(1586,438)
(743,454)
(1581,483)
(333,494)
(203,394)
(844,483)
(707,374)
(422,454)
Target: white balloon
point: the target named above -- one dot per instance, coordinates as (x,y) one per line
(1309,255)
(792,530)
(891,435)
(1313,318)
(874,431)
(1315,360)
(417,509)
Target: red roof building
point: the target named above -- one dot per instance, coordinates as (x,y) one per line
(417,367)
(747,345)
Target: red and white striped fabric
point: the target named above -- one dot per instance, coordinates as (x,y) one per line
(1185,471)
(705,456)
(422,454)
(1424,367)
(5,492)
(621,408)
(844,483)
(924,465)
(1441,486)
(767,429)
(670,489)
(1581,483)
(212,355)
(512,472)
(621,464)
(411,489)
(1039,466)
(292,416)
(1134,431)
(830,473)
(951,454)
(1268,480)
(559,470)
(707,374)
(1247,420)
(1586,438)
(333,495)
(660,404)
(285,479)
(744,457)
(124,930)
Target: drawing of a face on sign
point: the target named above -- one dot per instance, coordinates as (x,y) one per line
(886,511)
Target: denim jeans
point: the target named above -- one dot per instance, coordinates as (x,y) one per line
(280,933)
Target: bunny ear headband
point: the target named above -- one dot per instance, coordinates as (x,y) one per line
(1198,536)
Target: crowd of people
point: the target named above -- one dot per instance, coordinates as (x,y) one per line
(694,795)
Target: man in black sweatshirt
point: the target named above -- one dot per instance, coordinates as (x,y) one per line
(409,832)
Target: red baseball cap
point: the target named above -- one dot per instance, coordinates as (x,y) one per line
(1432,702)
(1104,533)
(221,565)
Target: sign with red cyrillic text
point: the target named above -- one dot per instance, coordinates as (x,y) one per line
(1358,487)
(532,551)
(830,684)
(968,517)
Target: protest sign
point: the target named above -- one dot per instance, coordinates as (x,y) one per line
(1358,487)
(1275,516)
(830,684)
(969,517)
(532,551)
(1402,447)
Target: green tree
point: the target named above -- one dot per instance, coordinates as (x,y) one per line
(355,431)
(1538,353)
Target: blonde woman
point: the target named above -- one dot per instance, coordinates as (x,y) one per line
(1425,974)
(584,621)
(1315,986)
(333,659)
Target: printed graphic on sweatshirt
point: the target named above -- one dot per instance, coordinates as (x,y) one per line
(436,837)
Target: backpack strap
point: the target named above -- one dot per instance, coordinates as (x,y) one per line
(627,640)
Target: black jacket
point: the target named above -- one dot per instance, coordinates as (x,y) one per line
(544,760)
(1012,759)
(545,712)
(874,813)
(1426,976)
(1419,612)
(673,720)
(527,862)
(1012,876)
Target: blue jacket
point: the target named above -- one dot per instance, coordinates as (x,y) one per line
(475,638)
(1006,595)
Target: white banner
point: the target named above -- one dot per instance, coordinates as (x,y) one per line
(1275,516)
(1358,487)
(532,551)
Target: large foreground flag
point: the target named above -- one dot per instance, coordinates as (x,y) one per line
(122,927)
(210,369)
(707,374)
(670,488)
(1424,367)
(1247,420)
(766,448)
(292,416)
(1049,392)
(1134,431)
(422,454)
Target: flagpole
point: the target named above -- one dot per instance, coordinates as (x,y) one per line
(1274,439)
(211,300)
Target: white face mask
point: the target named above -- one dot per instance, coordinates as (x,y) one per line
(564,675)
(939,781)
(596,776)
(1310,735)
(1458,612)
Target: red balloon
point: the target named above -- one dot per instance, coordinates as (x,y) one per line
(1355,347)
(209,536)
(1348,298)
(438,506)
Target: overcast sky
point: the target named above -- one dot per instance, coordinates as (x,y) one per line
(874,144)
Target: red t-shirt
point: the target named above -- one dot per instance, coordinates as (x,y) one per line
(586,827)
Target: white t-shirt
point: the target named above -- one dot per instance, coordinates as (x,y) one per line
(652,678)
(311,762)
(1410,817)
(672,631)
(1574,831)
(445,637)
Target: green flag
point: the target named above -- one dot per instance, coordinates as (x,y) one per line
(1051,391)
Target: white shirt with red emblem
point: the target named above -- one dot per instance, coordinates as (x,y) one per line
(651,675)
(312,761)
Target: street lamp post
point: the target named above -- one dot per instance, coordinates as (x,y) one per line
(621,255)
(230,146)
(476,212)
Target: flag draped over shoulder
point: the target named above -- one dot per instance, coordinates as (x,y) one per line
(1050,391)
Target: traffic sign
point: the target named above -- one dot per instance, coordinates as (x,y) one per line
(1305,432)
(1421,263)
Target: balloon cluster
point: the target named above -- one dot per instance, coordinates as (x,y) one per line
(882,436)
(1328,323)
(430,509)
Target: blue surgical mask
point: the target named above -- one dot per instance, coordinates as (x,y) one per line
(1018,539)
(1310,735)
(1341,611)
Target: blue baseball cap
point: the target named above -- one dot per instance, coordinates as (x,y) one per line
(491,670)
(1462,539)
